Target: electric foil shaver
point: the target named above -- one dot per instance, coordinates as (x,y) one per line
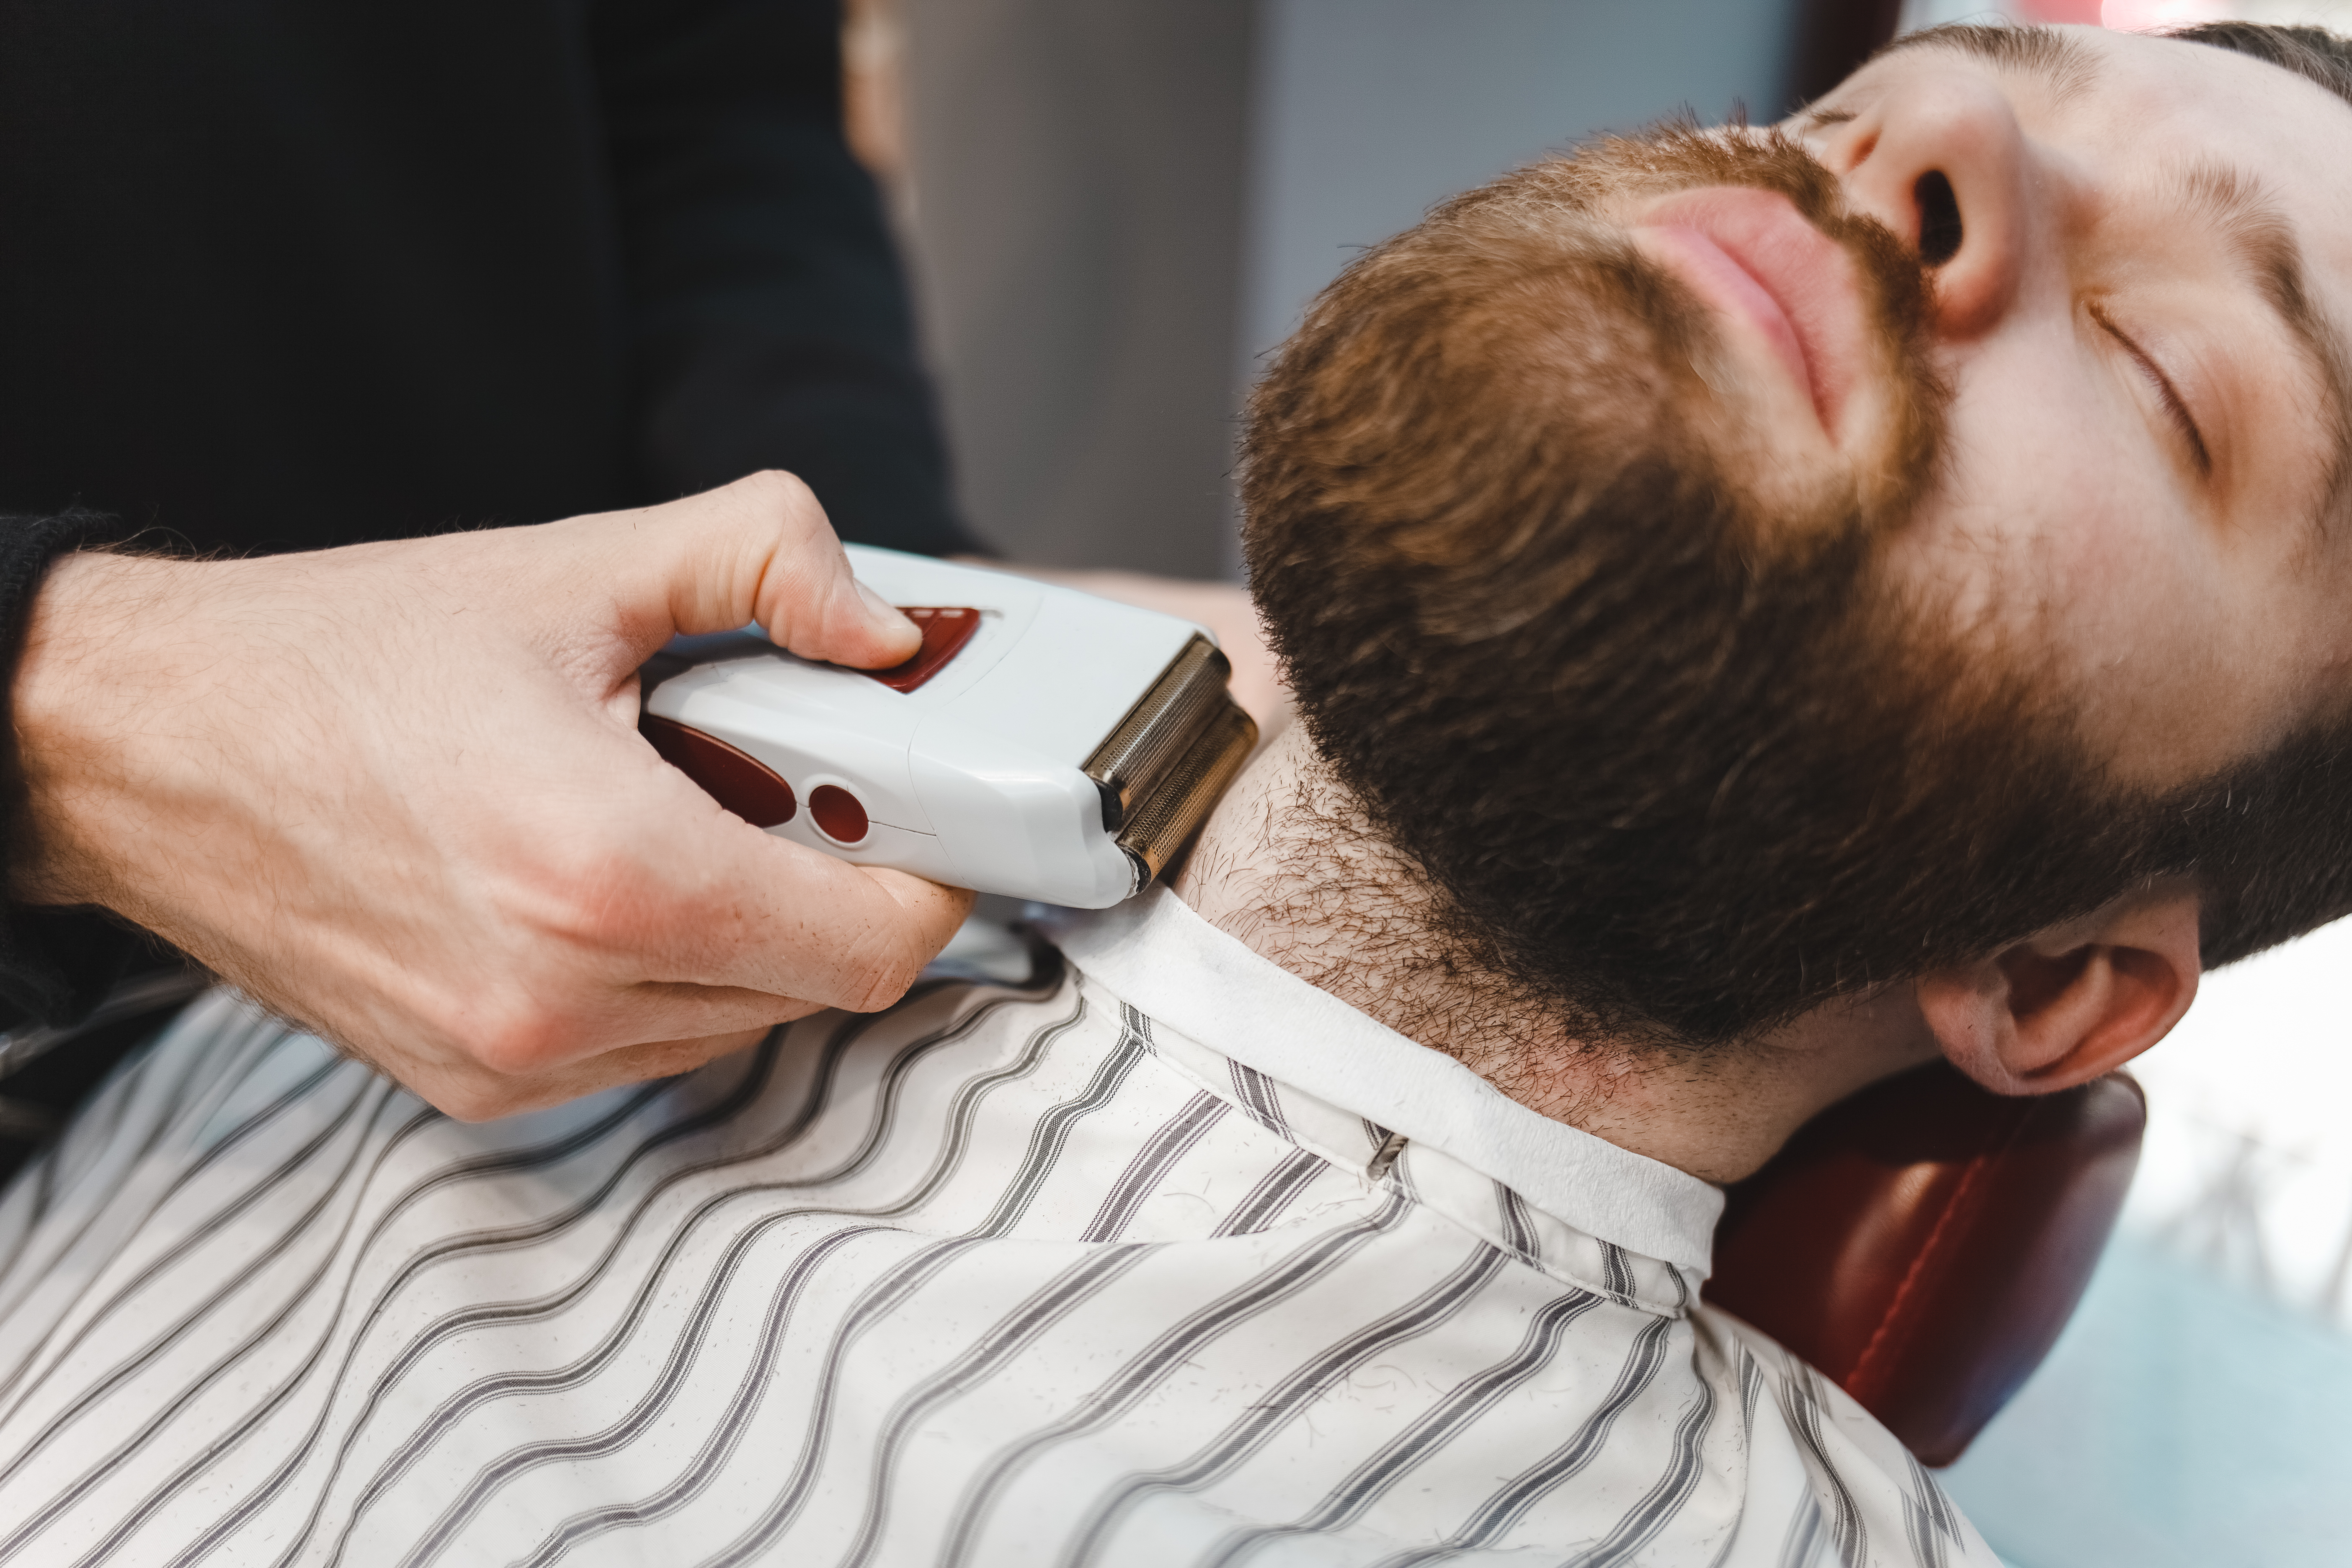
(1042,743)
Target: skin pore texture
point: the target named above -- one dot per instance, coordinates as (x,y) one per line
(2136,497)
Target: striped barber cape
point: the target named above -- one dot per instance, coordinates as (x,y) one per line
(1163,1257)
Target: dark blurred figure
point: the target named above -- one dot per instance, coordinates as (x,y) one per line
(288,274)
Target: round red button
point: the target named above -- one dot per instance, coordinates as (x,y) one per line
(839,815)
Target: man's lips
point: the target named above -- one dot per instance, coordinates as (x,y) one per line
(1751,254)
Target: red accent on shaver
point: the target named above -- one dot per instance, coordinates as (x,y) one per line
(945,629)
(736,780)
(839,815)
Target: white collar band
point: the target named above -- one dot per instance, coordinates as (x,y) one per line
(1154,952)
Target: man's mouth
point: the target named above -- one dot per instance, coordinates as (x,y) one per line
(1755,257)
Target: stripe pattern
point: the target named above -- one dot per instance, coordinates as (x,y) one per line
(1006,1275)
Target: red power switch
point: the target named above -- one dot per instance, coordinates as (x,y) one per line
(735,779)
(945,631)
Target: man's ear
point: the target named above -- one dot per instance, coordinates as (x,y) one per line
(2074,1003)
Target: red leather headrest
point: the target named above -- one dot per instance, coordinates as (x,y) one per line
(1923,1242)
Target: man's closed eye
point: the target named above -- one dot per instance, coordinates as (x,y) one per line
(2176,407)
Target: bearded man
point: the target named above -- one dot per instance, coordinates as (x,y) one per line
(1766,609)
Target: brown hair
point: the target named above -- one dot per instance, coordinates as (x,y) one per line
(2314,54)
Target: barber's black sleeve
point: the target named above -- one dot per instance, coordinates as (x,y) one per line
(55,964)
(769,311)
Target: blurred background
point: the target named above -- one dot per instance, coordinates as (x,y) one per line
(1115,208)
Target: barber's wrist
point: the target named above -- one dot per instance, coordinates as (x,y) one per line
(80,688)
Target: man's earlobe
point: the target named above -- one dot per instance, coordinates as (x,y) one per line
(2074,1003)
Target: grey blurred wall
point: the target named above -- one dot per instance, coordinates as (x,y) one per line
(1079,175)
(1119,204)
(1368,111)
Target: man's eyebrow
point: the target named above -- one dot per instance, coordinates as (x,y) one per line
(2064,65)
(2236,207)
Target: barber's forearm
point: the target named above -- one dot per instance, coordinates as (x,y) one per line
(55,964)
(397,792)
(80,681)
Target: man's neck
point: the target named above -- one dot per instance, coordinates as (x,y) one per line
(1289,867)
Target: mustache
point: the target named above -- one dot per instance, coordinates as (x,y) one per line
(1679,157)
(1897,290)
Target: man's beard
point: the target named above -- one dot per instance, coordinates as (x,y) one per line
(1679,758)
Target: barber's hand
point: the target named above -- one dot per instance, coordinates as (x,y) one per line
(1223,608)
(397,792)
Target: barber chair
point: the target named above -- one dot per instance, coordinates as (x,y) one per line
(1923,1242)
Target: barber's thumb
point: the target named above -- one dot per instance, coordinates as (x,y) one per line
(811,602)
(893,633)
(836,619)
(762,550)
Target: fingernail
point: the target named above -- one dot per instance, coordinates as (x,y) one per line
(887,617)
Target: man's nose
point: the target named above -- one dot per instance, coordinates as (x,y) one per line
(1946,167)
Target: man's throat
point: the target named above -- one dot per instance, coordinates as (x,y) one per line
(1289,867)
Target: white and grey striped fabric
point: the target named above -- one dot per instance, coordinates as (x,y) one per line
(1166,1258)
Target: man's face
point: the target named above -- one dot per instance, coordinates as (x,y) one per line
(2140,255)
(1745,569)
